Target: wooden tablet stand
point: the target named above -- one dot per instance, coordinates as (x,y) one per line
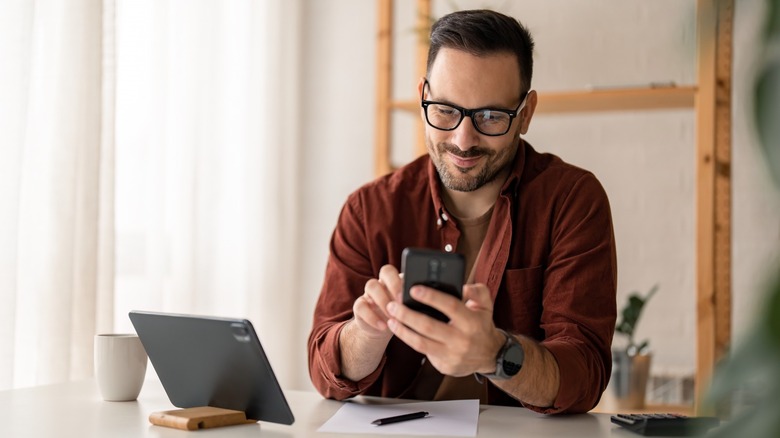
(203,417)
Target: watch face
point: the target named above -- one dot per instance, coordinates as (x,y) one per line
(513,359)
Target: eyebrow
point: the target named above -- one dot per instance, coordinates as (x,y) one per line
(449,102)
(489,106)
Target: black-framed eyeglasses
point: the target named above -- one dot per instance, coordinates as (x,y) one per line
(488,121)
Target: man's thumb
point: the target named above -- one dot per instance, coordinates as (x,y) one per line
(477,297)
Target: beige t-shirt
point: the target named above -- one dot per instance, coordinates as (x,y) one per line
(427,386)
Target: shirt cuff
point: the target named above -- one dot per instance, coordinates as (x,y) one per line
(575,386)
(343,387)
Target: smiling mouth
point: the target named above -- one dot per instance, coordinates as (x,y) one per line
(464,162)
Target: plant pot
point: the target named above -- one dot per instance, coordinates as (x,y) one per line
(629,379)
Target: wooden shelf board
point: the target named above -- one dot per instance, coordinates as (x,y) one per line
(619,99)
(406,105)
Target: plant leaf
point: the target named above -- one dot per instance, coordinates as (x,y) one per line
(633,310)
(767,108)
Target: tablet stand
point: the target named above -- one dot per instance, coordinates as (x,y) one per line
(203,417)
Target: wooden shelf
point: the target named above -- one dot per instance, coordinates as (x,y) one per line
(618,99)
(405,105)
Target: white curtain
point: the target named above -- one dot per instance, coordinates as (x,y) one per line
(207,163)
(160,131)
(50,107)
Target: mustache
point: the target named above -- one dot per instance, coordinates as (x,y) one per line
(474,151)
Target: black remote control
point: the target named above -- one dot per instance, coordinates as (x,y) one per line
(665,424)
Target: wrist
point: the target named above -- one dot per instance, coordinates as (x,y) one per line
(366,336)
(496,342)
(509,359)
(360,353)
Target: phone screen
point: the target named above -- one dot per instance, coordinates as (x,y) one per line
(439,270)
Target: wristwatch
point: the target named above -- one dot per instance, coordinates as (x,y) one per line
(509,359)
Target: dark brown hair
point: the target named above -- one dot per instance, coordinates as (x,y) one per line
(483,32)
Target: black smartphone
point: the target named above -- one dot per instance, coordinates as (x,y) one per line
(439,270)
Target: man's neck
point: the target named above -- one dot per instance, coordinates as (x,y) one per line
(469,205)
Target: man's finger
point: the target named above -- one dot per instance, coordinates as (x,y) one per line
(413,339)
(376,293)
(477,297)
(390,277)
(368,314)
(443,302)
(419,322)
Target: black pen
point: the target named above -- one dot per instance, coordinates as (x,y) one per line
(399,418)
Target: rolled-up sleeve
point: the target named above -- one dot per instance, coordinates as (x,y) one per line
(346,274)
(579,309)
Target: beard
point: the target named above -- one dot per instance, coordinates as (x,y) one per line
(487,170)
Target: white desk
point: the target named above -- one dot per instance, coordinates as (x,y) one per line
(76,410)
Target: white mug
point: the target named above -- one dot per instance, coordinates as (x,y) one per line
(120,366)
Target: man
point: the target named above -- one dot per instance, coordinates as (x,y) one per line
(535,324)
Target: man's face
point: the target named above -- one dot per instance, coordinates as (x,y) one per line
(465,158)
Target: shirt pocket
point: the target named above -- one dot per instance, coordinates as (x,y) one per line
(518,306)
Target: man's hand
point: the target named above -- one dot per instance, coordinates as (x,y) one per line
(370,308)
(467,344)
(363,340)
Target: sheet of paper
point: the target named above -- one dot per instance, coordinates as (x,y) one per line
(452,417)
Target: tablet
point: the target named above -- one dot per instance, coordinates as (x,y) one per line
(205,361)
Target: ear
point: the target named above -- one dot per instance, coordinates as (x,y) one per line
(527,112)
(420,86)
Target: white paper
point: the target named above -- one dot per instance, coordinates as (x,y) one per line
(451,417)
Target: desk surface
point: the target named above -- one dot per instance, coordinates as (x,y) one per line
(75,409)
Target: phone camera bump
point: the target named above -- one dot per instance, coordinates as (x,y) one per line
(433,269)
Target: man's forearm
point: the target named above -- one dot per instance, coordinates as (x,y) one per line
(360,355)
(538,381)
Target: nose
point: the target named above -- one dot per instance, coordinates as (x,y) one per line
(465,136)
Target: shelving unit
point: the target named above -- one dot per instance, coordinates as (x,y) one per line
(710,98)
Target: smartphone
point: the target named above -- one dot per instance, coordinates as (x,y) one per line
(439,270)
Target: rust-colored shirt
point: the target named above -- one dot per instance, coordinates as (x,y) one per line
(548,259)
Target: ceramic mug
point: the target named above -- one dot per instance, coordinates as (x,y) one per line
(120,366)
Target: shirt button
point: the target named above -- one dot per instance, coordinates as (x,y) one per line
(448,247)
(444,216)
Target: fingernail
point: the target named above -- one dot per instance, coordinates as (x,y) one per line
(392,324)
(417,292)
(391,307)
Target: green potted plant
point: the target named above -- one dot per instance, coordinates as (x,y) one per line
(631,364)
